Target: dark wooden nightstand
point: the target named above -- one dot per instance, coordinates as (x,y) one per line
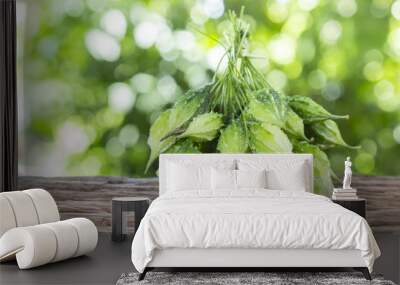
(120,207)
(357,206)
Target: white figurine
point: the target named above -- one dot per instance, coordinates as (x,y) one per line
(347,174)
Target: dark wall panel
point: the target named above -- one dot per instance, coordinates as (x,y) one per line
(8,97)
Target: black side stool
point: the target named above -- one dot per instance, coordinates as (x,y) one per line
(357,206)
(120,207)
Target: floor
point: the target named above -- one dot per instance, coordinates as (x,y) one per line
(110,260)
(389,263)
(104,266)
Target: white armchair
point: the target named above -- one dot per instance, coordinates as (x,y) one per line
(31,230)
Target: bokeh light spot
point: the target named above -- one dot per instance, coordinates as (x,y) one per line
(89,166)
(282,49)
(396,133)
(330,32)
(148,32)
(96,5)
(373,55)
(346,8)
(380,8)
(394,41)
(369,146)
(121,97)
(72,138)
(196,76)
(385,138)
(114,147)
(294,70)
(386,98)
(73,8)
(102,46)
(277,12)
(317,79)
(277,79)
(308,5)
(138,13)
(129,135)
(143,82)
(212,8)
(373,71)
(165,42)
(197,15)
(396,9)
(216,58)
(332,91)
(296,24)
(166,87)
(151,102)
(184,40)
(114,23)
(364,163)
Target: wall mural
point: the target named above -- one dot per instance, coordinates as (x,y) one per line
(239,112)
(100,76)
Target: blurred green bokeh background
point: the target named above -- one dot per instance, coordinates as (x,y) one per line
(96,73)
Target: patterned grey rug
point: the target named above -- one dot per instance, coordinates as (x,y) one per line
(243,278)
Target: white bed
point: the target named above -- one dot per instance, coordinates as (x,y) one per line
(249,227)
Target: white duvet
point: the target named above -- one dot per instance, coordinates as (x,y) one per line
(250,219)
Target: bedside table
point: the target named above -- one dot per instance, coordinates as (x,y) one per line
(120,207)
(357,206)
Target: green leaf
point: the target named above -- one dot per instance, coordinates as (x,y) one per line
(161,134)
(322,168)
(184,146)
(310,111)
(328,131)
(294,125)
(233,139)
(263,112)
(201,94)
(269,107)
(183,111)
(204,127)
(269,139)
(158,130)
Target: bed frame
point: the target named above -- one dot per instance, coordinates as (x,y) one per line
(242,259)
(246,259)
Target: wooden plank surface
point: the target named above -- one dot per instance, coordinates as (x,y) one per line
(383,200)
(90,197)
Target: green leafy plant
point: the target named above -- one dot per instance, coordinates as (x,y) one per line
(240,112)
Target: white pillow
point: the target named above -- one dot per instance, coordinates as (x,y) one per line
(227,179)
(293,180)
(290,175)
(223,179)
(188,177)
(251,178)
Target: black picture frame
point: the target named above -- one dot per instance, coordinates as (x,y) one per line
(8,97)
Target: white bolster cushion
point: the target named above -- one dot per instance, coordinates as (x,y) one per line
(26,208)
(87,235)
(37,245)
(7,219)
(67,240)
(23,208)
(46,207)
(33,246)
